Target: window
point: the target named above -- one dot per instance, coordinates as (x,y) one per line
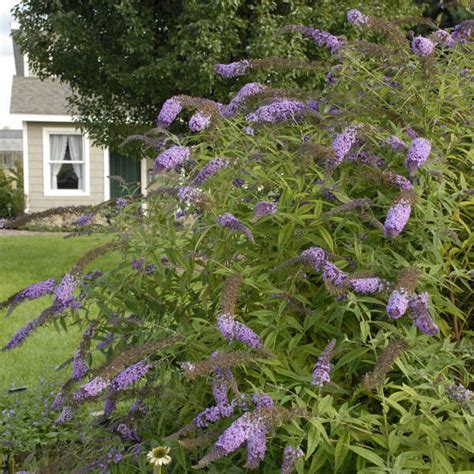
(66,163)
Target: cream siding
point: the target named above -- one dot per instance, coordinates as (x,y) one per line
(37,201)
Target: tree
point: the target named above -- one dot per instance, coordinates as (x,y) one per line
(123,58)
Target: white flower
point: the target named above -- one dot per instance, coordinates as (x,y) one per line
(159,456)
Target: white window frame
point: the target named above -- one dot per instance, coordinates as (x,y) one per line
(47,132)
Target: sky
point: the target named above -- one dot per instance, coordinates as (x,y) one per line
(7,65)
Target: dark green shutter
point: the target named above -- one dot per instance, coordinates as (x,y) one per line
(129,169)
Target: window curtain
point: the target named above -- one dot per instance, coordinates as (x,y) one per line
(75,149)
(58,149)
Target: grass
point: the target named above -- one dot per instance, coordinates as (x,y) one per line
(27,260)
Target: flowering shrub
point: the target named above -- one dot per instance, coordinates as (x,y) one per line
(312,271)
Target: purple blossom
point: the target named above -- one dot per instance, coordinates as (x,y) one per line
(249,131)
(422,46)
(313,104)
(333,275)
(397,303)
(238,182)
(209,415)
(65,289)
(209,170)
(418,153)
(465,72)
(398,180)
(264,208)
(444,38)
(321,38)
(314,256)
(92,275)
(262,401)
(168,113)
(150,269)
(290,457)
(395,143)
(109,407)
(199,122)
(107,342)
(171,158)
(114,455)
(390,82)
(397,217)
(84,220)
(240,431)
(91,389)
(366,158)
(127,433)
(355,17)
(460,393)
(65,416)
(231,222)
(418,305)
(463,31)
(34,291)
(410,133)
(278,111)
(343,143)
(256,446)
(121,203)
(58,401)
(322,367)
(227,71)
(138,264)
(235,330)
(189,194)
(367,286)
(79,367)
(248,90)
(130,375)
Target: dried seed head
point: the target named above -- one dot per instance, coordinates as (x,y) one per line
(230,293)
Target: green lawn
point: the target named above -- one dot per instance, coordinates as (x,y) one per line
(25,260)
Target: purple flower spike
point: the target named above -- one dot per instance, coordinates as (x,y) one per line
(65,416)
(290,457)
(21,335)
(130,375)
(79,367)
(321,38)
(58,401)
(199,122)
(91,389)
(333,275)
(84,220)
(422,318)
(137,264)
(230,222)
(367,286)
(236,331)
(168,113)
(397,303)
(444,38)
(227,71)
(395,143)
(249,131)
(34,291)
(65,289)
(315,257)
(397,218)
(343,143)
(278,111)
(171,158)
(209,415)
(209,170)
(355,17)
(121,203)
(256,446)
(250,89)
(322,367)
(422,46)
(109,407)
(262,401)
(264,208)
(418,153)
(460,394)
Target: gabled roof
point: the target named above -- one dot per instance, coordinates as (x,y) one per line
(30,95)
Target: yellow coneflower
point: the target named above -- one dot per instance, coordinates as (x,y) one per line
(159,457)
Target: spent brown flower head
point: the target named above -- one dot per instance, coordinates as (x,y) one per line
(384,363)
(230,293)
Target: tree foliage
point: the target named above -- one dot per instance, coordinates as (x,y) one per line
(123,58)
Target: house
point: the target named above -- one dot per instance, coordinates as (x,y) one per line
(11,148)
(62,167)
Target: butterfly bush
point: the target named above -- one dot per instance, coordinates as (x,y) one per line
(320,268)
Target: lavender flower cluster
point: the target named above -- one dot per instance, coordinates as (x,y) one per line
(231,222)
(209,170)
(355,17)
(343,143)
(321,38)
(33,292)
(397,218)
(238,68)
(234,330)
(171,158)
(322,368)
(278,111)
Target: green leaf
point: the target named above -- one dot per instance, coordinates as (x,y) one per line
(369,455)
